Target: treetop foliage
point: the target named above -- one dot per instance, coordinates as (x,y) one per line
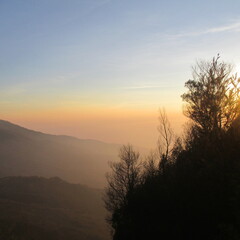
(212,98)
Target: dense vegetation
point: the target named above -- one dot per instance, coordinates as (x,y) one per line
(190,188)
(40,208)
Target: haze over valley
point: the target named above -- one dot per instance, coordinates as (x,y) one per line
(119,120)
(25,152)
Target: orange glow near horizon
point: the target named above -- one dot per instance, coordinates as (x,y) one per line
(114,125)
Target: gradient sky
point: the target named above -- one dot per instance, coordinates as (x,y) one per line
(101,68)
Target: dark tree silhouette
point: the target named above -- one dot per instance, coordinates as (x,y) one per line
(213,95)
(122,181)
(194,193)
(165,140)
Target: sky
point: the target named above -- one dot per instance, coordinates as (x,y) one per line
(101,69)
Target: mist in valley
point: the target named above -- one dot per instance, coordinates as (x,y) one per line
(119,120)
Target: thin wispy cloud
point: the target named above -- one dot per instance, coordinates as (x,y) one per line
(12,91)
(141,87)
(146,87)
(233,27)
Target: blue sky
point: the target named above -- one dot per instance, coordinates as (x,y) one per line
(108,53)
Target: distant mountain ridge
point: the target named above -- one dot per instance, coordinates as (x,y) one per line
(25,152)
(14,128)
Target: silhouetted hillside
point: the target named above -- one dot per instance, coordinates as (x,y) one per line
(25,152)
(40,208)
(189,189)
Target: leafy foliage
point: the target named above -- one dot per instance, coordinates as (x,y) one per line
(213,95)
